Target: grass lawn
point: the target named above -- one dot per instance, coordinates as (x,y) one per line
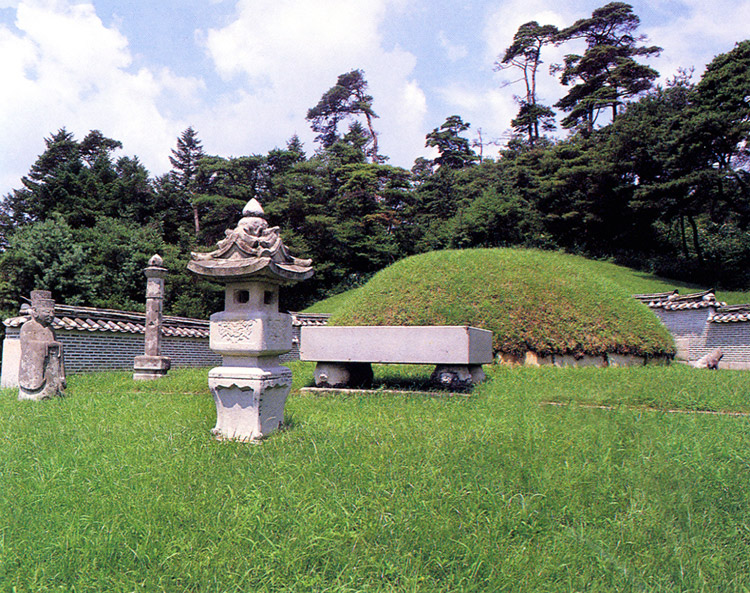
(120,487)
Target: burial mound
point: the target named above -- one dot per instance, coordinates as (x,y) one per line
(533,301)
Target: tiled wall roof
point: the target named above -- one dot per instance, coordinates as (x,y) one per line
(92,319)
(673,301)
(730,314)
(310,318)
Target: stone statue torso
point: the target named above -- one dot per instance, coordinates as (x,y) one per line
(41,374)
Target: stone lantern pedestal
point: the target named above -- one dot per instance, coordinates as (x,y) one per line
(251,387)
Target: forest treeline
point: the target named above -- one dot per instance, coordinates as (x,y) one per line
(654,177)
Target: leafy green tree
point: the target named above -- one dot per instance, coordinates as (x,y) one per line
(46,255)
(80,182)
(96,146)
(644,144)
(495,208)
(583,201)
(722,112)
(607,74)
(436,199)
(525,54)
(686,148)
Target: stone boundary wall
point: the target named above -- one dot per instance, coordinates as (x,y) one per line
(733,339)
(699,324)
(108,351)
(689,328)
(104,340)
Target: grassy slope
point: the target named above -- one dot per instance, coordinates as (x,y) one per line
(635,282)
(120,487)
(333,304)
(632,281)
(531,300)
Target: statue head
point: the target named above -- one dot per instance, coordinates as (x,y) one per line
(42,306)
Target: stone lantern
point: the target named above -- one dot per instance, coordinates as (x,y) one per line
(250,388)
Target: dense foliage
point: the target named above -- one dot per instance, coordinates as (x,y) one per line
(529,299)
(660,182)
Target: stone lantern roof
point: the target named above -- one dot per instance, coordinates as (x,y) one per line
(252,250)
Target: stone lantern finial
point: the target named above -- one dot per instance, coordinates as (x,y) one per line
(251,251)
(253,208)
(250,388)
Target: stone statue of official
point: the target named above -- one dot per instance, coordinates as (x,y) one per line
(41,374)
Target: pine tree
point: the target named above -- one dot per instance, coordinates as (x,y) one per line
(347,99)
(524,54)
(607,74)
(184,161)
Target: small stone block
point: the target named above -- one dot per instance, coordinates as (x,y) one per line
(146,368)
(533,359)
(457,376)
(352,374)
(625,360)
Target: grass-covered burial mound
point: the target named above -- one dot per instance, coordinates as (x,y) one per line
(547,303)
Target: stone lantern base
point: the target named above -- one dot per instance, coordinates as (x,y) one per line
(249,400)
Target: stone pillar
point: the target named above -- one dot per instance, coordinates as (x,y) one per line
(151,365)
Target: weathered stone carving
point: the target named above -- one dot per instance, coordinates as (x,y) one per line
(250,388)
(235,331)
(41,374)
(252,250)
(710,360)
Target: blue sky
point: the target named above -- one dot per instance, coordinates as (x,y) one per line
(244,72)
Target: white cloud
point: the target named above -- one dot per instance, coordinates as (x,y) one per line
(66,69)
(698,33)
(454,51)
(284,54)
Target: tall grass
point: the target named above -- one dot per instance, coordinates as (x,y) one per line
(120,487)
